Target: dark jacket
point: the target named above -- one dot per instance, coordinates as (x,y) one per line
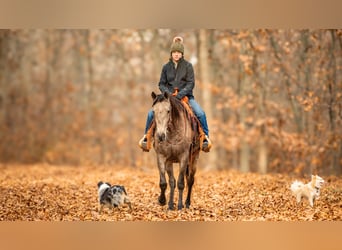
(181,77)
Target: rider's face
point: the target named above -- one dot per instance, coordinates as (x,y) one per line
(176,55)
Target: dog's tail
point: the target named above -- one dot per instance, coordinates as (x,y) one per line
(296,185)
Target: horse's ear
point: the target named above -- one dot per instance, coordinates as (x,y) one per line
(153,95)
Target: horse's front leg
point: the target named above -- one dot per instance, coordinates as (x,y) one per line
(162,181)
(172,183)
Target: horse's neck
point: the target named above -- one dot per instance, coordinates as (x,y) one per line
(180,129)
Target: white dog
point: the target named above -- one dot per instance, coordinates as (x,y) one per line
(310,190)
(112,196)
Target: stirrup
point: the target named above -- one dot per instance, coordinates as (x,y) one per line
(206,146)
(143,144)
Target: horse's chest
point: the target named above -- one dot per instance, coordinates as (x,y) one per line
(172,151)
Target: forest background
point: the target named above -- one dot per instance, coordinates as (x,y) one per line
(273,98)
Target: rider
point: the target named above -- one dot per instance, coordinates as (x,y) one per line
(179,74)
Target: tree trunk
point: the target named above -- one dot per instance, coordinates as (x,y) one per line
(260,79)
(332,86)
(288,80)
(205,77)
(244,146)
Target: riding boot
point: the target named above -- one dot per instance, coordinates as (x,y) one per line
(206,144)
(143,143)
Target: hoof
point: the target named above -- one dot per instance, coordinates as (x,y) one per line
(162,201)
(172,206)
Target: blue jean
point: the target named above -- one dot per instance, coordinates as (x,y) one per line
(196,108)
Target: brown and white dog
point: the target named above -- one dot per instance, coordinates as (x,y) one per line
(112,196)
(310,190)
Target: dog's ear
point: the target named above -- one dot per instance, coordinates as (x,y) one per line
(124,190)
(99,184)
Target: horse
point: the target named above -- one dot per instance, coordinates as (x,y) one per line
(176,139)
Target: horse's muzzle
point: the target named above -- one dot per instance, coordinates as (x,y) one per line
(161,137)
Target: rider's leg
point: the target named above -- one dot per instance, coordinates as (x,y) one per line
(143,140)
(200,114)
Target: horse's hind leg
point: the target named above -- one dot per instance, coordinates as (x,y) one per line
(180,182)
(190,179)
(172,183)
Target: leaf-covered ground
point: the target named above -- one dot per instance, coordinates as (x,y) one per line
(54,193)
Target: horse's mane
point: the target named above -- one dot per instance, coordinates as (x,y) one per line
(177,107)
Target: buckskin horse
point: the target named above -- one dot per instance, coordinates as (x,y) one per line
(177,139)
